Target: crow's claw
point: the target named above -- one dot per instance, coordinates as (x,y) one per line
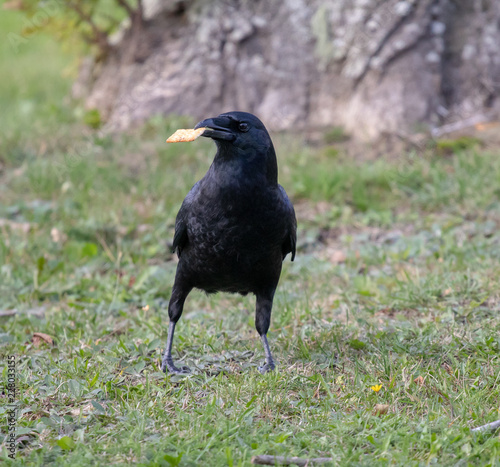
(171,369)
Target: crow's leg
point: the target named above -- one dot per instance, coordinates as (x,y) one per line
(175,307)
(269,365)
(262,319)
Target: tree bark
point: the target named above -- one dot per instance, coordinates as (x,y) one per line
(373,67)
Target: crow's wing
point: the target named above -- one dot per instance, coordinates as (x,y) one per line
(291,239)
(180,235)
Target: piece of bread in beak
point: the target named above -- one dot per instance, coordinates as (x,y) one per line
(182,136)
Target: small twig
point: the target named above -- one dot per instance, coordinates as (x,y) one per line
(460,125)
(488,427)
(280,460)
(100,37)
(38,311)
(8,313)
(137,15)
(124,4)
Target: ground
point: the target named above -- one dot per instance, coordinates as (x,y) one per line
(396,284)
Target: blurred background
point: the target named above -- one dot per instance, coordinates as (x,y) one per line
(374,69)
(385,117)
(361,97)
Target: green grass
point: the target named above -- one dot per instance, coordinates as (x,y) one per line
(396,282)
(34,84)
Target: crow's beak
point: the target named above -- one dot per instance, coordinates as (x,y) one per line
(215,129)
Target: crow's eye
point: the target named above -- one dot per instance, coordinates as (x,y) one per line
(243,127)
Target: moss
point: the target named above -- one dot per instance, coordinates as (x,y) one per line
(452,146)
(92,118)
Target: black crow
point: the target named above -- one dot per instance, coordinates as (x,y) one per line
(235,226)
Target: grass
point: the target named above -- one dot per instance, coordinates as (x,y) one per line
(396,282)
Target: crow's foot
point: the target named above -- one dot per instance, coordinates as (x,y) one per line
(173,370)
(169,367)
(266,368)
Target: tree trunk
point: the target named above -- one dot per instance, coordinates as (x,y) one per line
(370,66)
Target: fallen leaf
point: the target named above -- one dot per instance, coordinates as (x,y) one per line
(56,235)
(486,126)
(337,256)
(141,228)
(381,409)
(24,227)
(78,410)
(448,368)
(39,337)
(419,380)
(65,186)
(13,5)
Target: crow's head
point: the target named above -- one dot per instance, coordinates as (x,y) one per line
(242,138)
(236,128)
